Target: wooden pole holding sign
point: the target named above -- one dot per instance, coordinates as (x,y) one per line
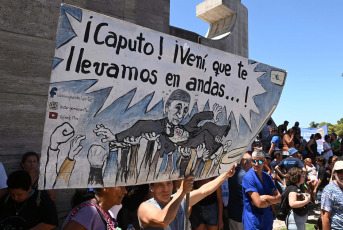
(186,211)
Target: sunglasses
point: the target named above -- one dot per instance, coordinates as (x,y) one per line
(259,161)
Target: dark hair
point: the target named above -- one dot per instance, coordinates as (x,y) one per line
(291,130)
(334,134)
(277,153)
(321,159)
(19,179)
(293,175)
(274,129)
(269,122)
(318,135)
(82,195)
(179,95)
(296,124)
(27,155)
(327,137)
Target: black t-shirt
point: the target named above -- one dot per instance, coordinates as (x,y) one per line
(210,199)
(324,176)
(29,213)
(293,188)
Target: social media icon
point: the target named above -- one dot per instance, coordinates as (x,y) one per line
(53,115)
(53,92)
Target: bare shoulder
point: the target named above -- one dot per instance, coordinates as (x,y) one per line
(150,215)
(146,207)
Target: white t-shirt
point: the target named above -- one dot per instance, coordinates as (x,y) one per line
(114,210)
(3,177)
(327,154)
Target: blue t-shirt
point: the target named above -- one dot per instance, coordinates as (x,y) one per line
(253,217)
(332,201)
(291,162)
(276,140)
(235,209)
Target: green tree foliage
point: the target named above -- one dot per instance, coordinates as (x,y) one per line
(324,123)
(336,128)
(313,125)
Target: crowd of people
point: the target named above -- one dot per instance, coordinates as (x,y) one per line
(280,172)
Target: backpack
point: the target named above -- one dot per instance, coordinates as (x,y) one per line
(283,208)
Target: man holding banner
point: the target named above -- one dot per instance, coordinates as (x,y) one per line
(167,211)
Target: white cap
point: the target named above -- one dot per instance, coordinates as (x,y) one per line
(338,165)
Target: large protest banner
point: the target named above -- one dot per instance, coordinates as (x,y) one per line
(306,133)
(129,105)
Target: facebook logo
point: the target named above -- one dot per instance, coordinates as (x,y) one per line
(53,92)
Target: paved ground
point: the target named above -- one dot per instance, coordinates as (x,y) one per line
(312,218)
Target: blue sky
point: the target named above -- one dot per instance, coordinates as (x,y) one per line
(303,37)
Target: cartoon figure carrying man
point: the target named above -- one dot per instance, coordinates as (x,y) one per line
(169,132)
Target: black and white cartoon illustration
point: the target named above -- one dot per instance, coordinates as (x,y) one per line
(97,155)
(171,134)
(162,109)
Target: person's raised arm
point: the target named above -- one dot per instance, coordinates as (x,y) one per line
(199,194)
(60,135)
(288,139)
(149,215)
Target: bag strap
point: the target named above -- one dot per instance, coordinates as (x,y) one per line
(285,196)
(109,222)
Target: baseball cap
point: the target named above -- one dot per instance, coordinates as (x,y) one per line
(291,151)
(338,165)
